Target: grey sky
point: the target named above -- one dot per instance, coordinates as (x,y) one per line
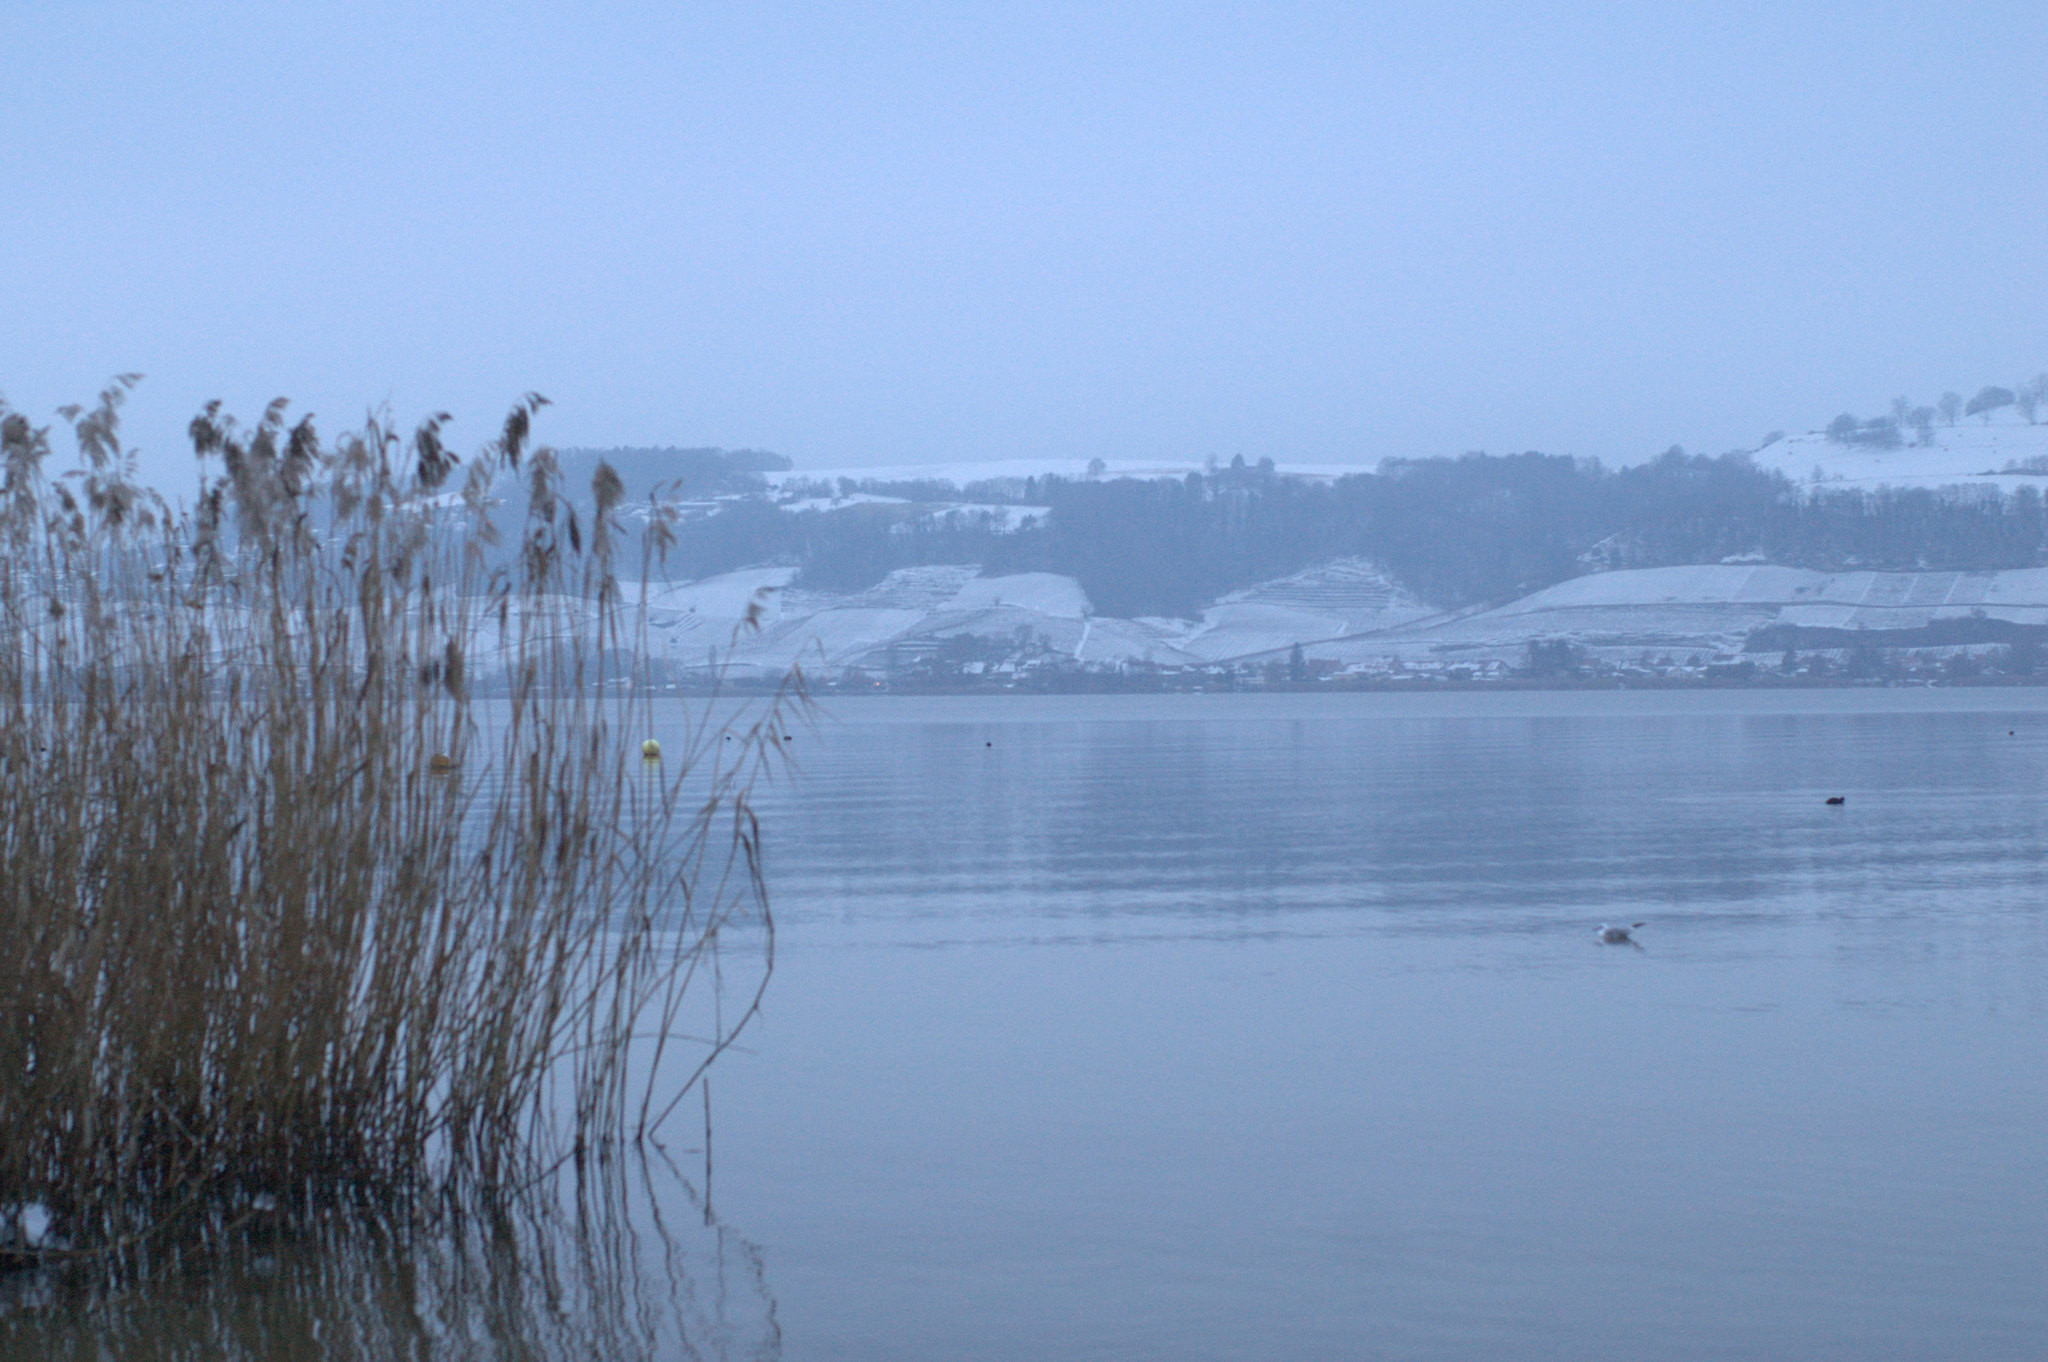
(893,234)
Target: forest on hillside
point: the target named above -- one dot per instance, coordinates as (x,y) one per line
(1456,531)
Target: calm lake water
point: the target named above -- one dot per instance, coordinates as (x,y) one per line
(1234,1027)
(1240,1026)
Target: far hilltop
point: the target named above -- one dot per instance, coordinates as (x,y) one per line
(1913,537)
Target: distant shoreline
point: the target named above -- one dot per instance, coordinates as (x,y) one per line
(1108,685)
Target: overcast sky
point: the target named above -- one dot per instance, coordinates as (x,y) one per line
(895,234)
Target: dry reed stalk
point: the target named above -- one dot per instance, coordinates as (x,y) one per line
(255,939)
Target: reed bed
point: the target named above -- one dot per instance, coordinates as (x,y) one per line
(330,865)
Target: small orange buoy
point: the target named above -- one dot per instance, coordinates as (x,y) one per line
(440,764)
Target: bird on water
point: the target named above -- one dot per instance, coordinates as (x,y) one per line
(1618,936)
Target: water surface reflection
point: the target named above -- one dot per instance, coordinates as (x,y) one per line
(1276,1026)
(627,1265)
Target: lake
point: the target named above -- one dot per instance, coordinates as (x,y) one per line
(1190,1027)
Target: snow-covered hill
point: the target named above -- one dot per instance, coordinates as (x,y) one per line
(914,611)
(1970,453)
(1708,609)
(1346,615)
(1350,613)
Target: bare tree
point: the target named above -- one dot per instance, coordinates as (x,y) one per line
(2029,396)
(1951,405)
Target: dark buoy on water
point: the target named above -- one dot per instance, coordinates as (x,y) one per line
(1837,799)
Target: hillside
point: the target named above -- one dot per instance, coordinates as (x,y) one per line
(1936,540)
(1345,617)
(1971,453)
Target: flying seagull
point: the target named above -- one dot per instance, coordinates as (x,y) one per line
(1618,936)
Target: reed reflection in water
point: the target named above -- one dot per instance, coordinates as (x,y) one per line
(625,1262)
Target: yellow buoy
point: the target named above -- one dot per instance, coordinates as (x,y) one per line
(440,763)
(650,749)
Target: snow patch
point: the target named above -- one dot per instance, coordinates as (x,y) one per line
(1044,593)
(725,597)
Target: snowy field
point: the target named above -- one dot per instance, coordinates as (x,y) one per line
(963,473)
(1970,453)
(1346,613)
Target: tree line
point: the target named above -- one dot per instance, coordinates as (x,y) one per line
(1456,531)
